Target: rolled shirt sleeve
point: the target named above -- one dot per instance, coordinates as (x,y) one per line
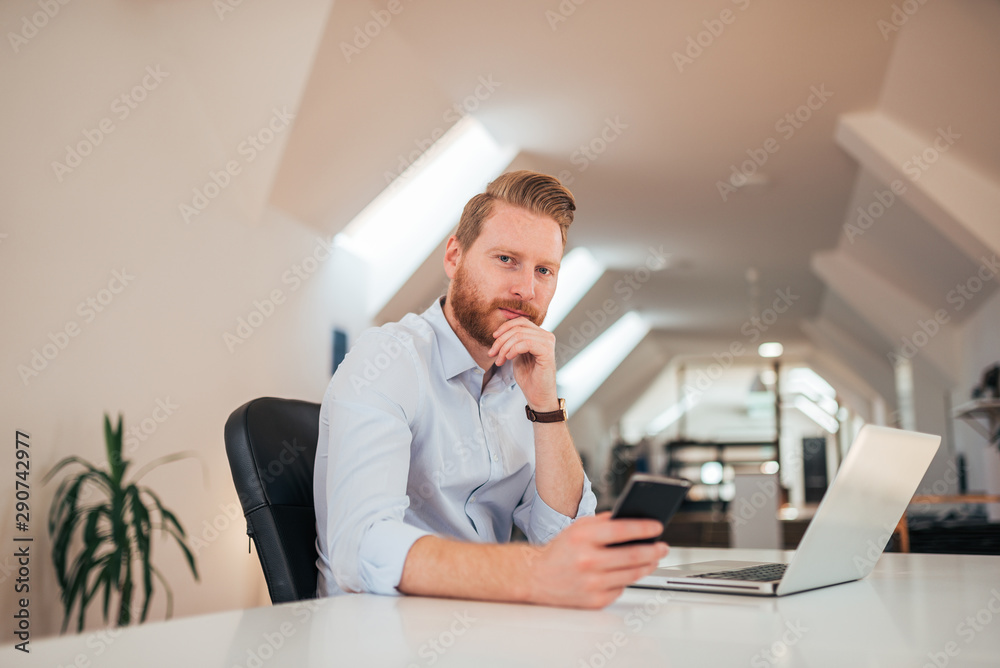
(363,459)
(540,522)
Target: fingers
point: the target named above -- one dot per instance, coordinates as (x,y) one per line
(594,535)
(609,532)
(626,576)
(520,336)
(634,556)
(607,587)
(516,322)
(515,342)
(577,568)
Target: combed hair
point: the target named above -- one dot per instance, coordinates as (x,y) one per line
(541,194)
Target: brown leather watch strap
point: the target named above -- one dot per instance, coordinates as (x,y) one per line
(551,416)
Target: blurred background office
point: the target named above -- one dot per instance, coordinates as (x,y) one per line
(206,202)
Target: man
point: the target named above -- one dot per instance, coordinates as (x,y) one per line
(427,454)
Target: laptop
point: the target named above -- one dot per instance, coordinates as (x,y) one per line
(847,534)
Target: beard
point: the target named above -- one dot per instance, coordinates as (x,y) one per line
(477,317)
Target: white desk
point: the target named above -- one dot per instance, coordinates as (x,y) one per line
(911,611)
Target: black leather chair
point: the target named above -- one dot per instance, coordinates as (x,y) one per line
(271,445)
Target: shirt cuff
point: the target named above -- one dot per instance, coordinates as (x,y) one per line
(547,522)
(383,554)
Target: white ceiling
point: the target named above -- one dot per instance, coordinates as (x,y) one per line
(656,183)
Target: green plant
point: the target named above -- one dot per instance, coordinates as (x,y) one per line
(116,532)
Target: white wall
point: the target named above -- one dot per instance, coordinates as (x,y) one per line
(160,338)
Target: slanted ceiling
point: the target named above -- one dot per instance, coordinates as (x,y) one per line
(644,108)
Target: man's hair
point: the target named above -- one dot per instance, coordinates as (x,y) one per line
(539,193)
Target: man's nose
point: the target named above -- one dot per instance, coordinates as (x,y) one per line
(524,286)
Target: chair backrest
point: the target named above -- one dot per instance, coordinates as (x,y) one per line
(271,445)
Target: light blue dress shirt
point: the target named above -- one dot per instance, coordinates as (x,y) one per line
(411,444)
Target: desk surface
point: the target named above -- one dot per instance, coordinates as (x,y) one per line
(914,610)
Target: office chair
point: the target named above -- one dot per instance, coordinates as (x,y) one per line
(271,445)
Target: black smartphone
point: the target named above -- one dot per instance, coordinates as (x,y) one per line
(653,497)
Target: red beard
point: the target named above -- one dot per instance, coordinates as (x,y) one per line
(480,319)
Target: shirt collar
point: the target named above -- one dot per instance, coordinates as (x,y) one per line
(455,357)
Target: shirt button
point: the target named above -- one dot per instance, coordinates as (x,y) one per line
(472,499)
(496,458)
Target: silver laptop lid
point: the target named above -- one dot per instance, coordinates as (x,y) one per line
(861,508)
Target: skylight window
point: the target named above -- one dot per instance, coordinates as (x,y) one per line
(671,415)
(578,272)
(816,414)
(396,232)
(582,375)
(811,385)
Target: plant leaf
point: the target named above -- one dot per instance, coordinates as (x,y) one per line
(113,445)
(114,532)
(172,526)
(64,463)
(166,459)
(143,527)
(170,592)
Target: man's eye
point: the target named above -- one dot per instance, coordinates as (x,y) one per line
(505,258)
(545,270)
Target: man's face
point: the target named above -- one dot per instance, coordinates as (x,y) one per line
(508,272)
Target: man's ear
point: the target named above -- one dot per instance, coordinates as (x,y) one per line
(452,255)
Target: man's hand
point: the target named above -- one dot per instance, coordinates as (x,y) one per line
(575,569)
(578,569)
(533,351)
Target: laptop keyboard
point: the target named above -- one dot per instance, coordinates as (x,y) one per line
(761,573)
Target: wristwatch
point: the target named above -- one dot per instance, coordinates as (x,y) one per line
(551,416)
